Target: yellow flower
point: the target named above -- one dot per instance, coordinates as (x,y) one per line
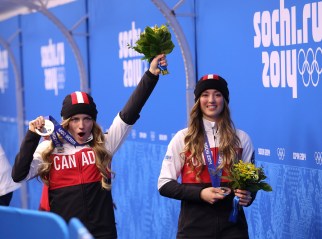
(247,176)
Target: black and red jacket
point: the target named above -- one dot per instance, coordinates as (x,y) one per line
(199,219)
(75,188)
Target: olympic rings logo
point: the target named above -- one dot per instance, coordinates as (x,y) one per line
(309,64)
(318,157)
(281,153)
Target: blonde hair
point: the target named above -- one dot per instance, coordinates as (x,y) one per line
(103,158)
(194,140)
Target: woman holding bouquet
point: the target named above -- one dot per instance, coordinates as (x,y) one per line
(205,205)
(77,170)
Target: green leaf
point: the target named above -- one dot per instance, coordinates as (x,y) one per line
(266,187)
(167,47)
(154,41)
(151,38)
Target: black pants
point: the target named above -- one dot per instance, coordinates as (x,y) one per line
(5,199)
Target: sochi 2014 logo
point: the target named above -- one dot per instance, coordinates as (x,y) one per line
(281,34)
(308,66)
(53,64)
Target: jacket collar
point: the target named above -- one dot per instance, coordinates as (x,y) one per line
(210,126)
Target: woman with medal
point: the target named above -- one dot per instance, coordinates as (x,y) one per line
(200,155)
(75,164)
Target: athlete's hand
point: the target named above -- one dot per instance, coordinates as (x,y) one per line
(245,197)
(212,195)
(37,123)
(159,59)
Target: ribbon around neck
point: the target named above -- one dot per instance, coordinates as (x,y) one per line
(63,133)
(215,175)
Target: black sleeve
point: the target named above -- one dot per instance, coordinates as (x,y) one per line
(131,111)
(173,189)
(253,195)
(24,158)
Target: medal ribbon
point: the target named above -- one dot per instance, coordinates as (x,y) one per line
(234,212)
(212,168)
(64,133)
(163,69)
(215,177)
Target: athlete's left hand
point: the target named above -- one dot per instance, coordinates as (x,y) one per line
(159,59)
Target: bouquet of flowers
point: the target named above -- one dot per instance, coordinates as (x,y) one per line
(248,177)
(154,41)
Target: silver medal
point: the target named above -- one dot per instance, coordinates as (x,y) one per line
(225,191)
(47,129)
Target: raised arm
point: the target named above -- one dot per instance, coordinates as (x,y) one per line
(131,111)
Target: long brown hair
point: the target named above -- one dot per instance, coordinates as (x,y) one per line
(194,140)
(103,158)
